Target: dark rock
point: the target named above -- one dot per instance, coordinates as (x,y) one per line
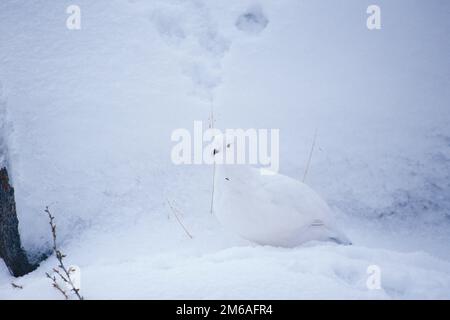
(10,246)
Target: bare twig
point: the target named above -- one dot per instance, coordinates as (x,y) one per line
(212,191)
(310,155)
(178,219)
(56,285)
(64,274)
(176,208)
(214,163)
(211,116)
(16,286)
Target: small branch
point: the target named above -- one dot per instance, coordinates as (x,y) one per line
(175,207)
(64,275)
(310,156)
(61,276)
(213,188)
(56,285)
(178,219)
(211,125)
(211,117)
(16,286)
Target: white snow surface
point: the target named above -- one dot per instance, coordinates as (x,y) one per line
(86,117)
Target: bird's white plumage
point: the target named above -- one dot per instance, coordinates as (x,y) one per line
(271,209)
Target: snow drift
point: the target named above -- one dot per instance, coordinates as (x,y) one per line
(87,116)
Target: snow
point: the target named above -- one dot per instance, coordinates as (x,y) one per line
(87,115)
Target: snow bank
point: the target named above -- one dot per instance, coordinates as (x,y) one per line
(317,272)
(91,113)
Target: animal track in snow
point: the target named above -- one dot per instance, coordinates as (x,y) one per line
(253,21)
(188,27)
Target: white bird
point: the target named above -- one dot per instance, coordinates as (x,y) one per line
(269,209)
